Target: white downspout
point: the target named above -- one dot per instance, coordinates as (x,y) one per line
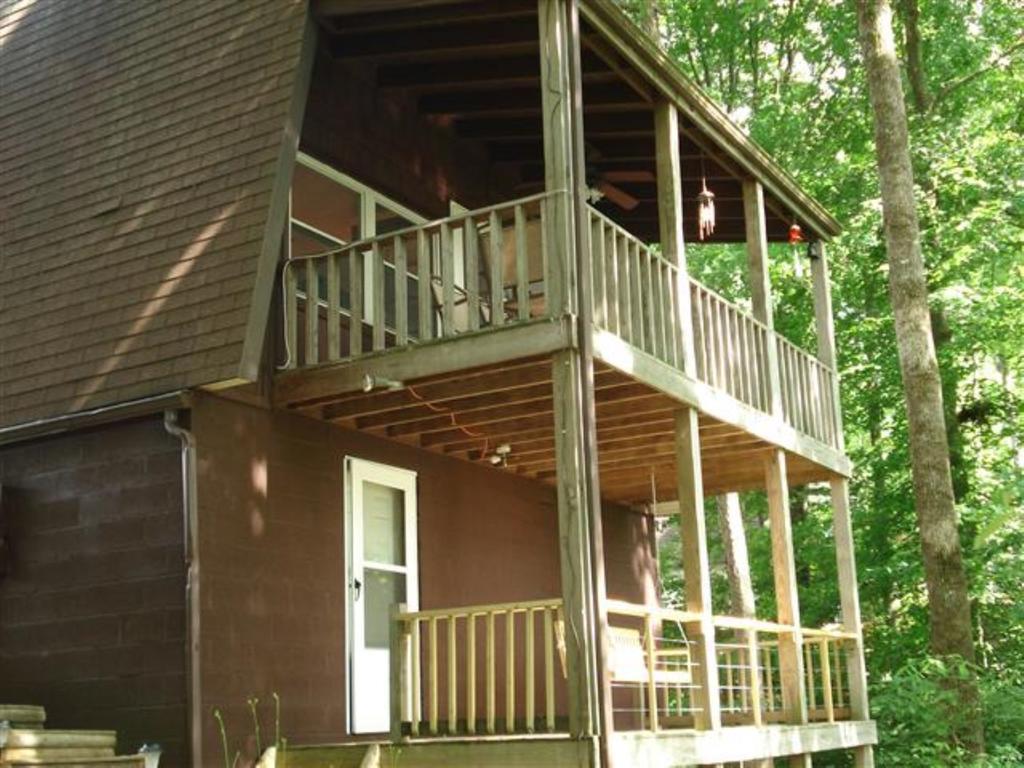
(191,551)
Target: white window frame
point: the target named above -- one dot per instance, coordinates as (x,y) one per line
(369,199)
(356,469)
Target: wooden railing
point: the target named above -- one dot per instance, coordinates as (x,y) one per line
(808,393)
(636,297)
(492,267)
(730,348)
(482,669)
(484,268)
(663,693)
(635,291)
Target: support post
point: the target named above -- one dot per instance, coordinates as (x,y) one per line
(670,219)
(399,647)
(849,597)
(842,520)
(556,110)
(568,275)
(696,568)
(575,547)
(761,284)
(791,656)
(825,327)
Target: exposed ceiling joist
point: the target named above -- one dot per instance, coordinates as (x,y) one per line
(453,40)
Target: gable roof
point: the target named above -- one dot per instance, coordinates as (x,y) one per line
(145,159)
(130,234)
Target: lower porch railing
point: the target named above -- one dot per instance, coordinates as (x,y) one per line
(662,694)
(500,669)
(482,669)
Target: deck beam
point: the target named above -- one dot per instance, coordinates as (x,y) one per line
(322,383)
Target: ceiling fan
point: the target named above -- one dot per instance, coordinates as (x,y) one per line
(604,185)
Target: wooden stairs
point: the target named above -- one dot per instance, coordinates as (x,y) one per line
(26,743)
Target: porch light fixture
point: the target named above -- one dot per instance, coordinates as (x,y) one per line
(371,382)
(500,456)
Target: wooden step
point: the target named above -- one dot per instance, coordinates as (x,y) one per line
(128,761)
(37,738)
(47,754)
(22,715)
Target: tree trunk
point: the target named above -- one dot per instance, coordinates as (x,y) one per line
(737,568)
(737,562)
(949,609)
(910,15)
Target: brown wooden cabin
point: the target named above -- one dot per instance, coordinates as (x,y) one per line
(344,352)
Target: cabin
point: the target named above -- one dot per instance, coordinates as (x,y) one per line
(348,353)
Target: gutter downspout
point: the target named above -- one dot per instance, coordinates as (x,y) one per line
(191,552)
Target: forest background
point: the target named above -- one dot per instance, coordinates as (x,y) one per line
(790,73)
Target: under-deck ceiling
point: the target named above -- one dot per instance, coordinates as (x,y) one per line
(473,67)
(471,414)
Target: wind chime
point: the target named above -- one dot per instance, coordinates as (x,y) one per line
(705,206)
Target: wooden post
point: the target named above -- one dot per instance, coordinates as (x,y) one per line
(574,539)
(696,568)
(566,243)
(842,520)
(760,283)
(791,660)
(556,108)
(399,652)
(850,599)
(825,327)
(670,220)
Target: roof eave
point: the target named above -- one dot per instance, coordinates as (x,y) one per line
(641,52)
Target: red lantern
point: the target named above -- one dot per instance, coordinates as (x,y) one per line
(796,235)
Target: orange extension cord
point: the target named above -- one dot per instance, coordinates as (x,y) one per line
(455,422)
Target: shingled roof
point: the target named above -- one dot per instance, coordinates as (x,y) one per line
(143,152)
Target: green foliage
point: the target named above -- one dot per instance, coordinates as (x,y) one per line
(790,74)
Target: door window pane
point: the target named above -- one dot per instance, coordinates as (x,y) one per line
(383,589)
(325,204)
(388,221)
(383,524)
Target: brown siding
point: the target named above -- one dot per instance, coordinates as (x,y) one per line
(138,144)
(92,606)
(379,138)
(271,544)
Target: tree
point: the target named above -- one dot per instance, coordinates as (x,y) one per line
(948,598)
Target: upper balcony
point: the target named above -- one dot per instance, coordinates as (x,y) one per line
(557,243)
(484,289)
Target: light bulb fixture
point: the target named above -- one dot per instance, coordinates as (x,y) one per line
(371,382)
(500,456)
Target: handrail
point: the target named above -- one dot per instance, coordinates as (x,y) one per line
(480,610)
(400,287)
(752,676)
(731,304)
(436,687)
(623,608)
(367,242)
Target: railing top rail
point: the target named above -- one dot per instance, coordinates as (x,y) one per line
(629,235)
(814,359)
(481,610)
(621,608)
(368,242)
(731,304)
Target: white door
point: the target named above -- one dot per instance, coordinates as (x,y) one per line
(382,571)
